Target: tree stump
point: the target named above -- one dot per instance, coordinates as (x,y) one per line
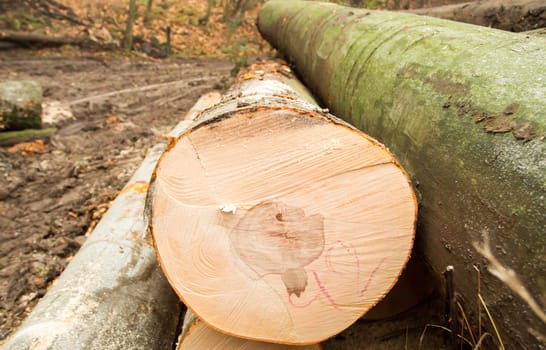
(20,105)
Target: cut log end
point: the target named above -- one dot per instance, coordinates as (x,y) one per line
(281,225)
(197,336)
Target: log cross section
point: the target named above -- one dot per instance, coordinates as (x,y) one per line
(276,221)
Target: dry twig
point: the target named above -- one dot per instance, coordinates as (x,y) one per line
(508,276)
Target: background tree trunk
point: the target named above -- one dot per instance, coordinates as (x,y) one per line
(205,18)
(148,12)
(463,109)
(9,138)
(35,39)
(128,42)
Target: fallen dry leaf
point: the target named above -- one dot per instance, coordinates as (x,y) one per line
(29,148)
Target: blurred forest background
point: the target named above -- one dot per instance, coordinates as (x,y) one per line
(156,28)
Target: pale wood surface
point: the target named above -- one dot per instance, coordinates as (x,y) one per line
(197,336)
(281,225)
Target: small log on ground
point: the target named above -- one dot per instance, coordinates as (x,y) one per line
(20,105)
(276,221)
(5,45)
(8,138)
(463,109)
(512,15)
(196,335)
(36,39)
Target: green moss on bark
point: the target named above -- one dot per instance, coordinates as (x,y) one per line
(461,106)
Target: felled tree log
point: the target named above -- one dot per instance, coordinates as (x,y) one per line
(274,220)
(9,138)
(463,109)
(512,15)
(112,295)
(196,335)
(36,39)
(53,9)
(397,5)
(20,105)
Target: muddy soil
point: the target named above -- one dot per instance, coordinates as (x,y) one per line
(52,194)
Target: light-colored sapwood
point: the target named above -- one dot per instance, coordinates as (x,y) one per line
(196,335)
(277,222)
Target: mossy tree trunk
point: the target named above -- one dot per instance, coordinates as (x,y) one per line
(463,109)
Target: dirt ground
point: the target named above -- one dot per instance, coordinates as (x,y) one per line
(52,194)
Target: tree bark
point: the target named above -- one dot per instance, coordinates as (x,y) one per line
(113,294)
(196,335)
(512,15)
(463,109)
(20,105)
(276,221)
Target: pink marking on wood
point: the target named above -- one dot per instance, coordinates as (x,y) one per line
(323,290)
(302,305)
(351,250)
(327,259)
(371,277)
